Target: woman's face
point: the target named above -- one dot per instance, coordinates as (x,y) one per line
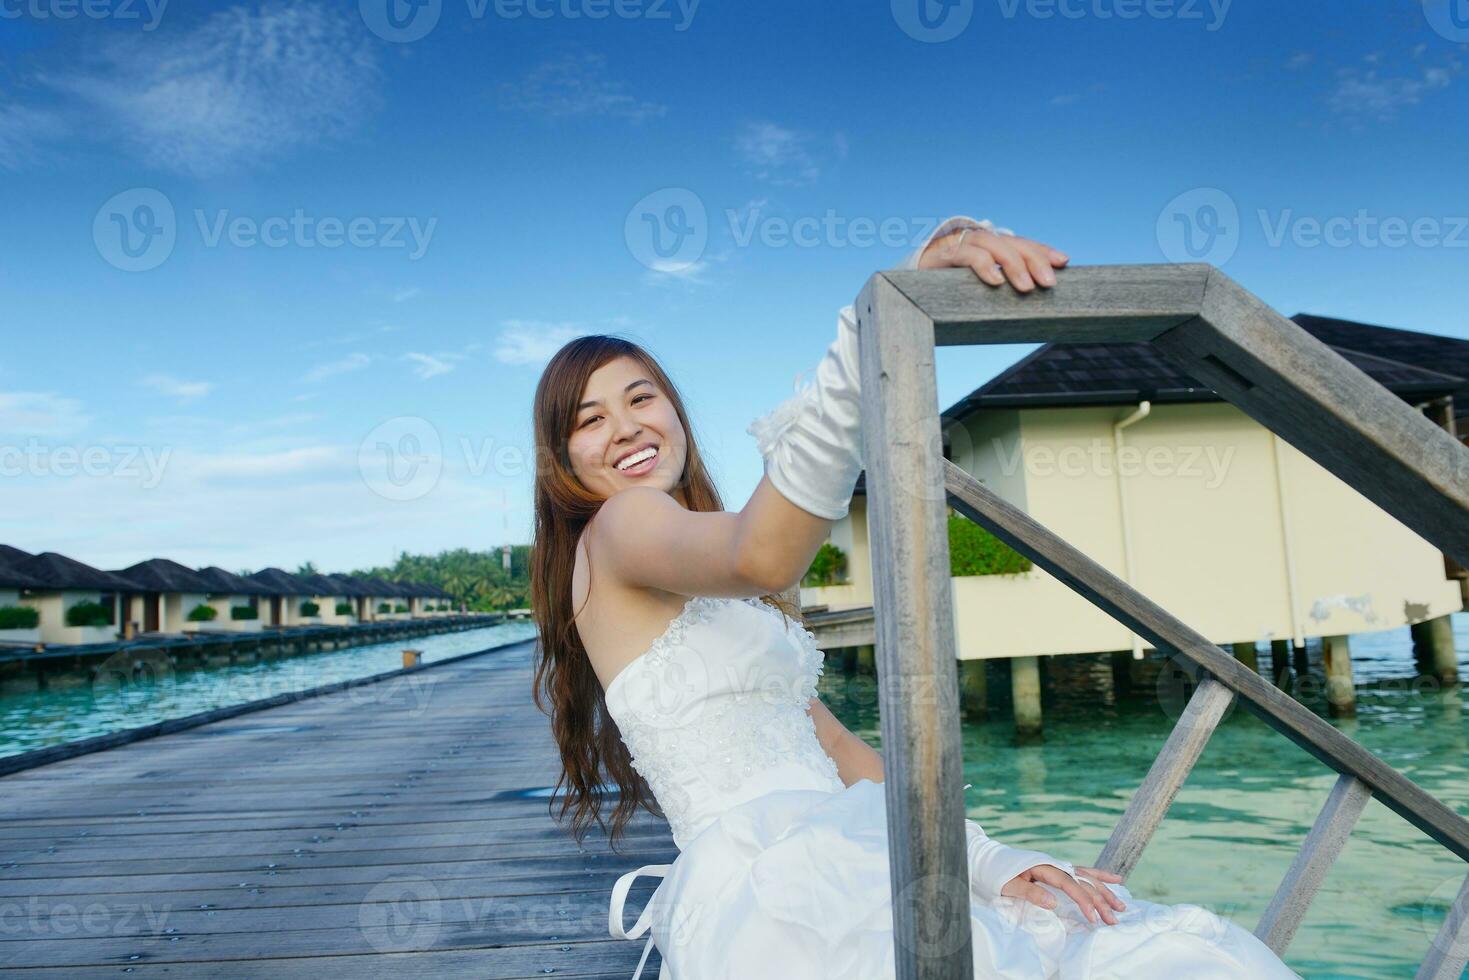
(622,414)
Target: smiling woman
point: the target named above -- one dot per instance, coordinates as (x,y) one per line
(668,661)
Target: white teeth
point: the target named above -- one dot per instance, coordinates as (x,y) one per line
(638,457)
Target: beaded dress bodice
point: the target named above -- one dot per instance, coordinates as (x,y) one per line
(715,712)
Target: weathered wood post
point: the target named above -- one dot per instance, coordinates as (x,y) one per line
(1246,654)
(1433,646)
(412,658)
(914,627)
(1341,690)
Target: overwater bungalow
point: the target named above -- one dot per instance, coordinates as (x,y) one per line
(238,600)
(75,602)
(18,623)
(357,593)
(1183,496)
(287,593)
(386,600)
(170,598)
(333,600)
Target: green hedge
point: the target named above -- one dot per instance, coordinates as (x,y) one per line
(829,567)
(383,607)
(244,612)
(19,618)
(344,609)
(309,608)
(400,608)
(202,614)
(975,551)
(88,613)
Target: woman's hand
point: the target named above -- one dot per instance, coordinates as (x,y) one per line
(1095,901)
(1023,261)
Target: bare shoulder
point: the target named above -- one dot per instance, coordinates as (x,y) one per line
(616,620)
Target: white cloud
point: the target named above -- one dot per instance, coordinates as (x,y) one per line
(427,366)
(1369,93)
(40,413)
(245,87)
(21,131)
(575,85)
(404,295)
(1299,60)
(168,385)
(778,154)
(533,341)
(352,362)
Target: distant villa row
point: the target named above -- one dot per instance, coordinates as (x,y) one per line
(50,598)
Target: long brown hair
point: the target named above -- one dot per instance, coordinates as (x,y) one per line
(565,686)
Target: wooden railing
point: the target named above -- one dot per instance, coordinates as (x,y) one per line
(1250,355)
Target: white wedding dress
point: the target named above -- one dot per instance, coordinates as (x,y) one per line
(782,872)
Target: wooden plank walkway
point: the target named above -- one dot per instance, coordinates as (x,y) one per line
(383,831)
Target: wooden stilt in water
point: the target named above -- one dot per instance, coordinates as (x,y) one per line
(1433,646)
(973,688)
(1025,688)
(1341,692)
(867,659)
(1280,663)
(1246,654)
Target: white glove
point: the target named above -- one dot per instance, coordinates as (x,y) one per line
(992,864)
(812,442)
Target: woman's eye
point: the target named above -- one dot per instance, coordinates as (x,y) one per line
(640,397)
(594,418)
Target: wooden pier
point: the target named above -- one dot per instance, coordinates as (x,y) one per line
(388,830)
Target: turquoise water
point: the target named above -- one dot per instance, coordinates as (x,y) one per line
(1235,827)
(73,709)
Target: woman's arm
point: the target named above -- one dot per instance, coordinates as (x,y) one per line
(647,539)
(855,759)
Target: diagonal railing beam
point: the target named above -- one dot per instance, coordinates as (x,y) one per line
(1166,632)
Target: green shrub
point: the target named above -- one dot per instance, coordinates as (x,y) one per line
(829,567)
(309,608)
(244,612)
(344,609)
(383,607)
(19,618)
(400,608)
(202,614)
(89,613)
(975,551)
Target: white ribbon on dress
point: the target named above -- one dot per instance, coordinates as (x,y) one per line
(645,920)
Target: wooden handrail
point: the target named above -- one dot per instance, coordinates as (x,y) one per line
(1290,382)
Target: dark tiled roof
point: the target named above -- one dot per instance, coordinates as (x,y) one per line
(1125,373)
(324,585)
(55,571)
(13,556)
(281,582)
(349,586)
(1431,351)
(220,580)
(379,587)
(162,575)
(12,579)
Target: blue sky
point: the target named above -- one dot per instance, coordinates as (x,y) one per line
(251,250)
